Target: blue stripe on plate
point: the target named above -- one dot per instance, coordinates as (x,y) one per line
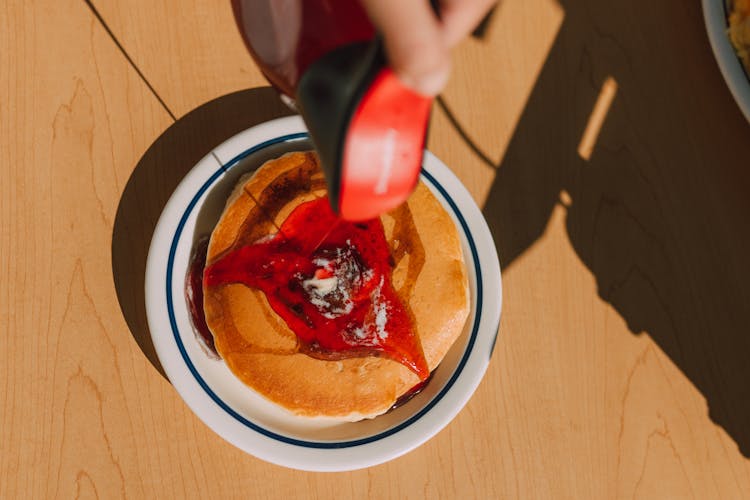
(725,4)
(285,439)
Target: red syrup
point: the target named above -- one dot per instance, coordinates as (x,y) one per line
(330,281)
(408,395)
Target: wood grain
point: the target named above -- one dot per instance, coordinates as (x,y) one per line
(620,369)
(191,52)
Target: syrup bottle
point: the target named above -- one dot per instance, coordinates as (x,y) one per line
(368,128)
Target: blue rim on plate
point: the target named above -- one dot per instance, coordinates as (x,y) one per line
(725,5)
(736,76)
(255,427)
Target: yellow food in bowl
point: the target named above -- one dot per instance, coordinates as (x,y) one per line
(739,29)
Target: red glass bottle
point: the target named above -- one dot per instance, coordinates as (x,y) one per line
(286,36)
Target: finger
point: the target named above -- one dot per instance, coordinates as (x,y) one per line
(460,17)
(414,42)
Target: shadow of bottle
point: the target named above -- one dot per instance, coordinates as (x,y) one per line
(156,176)
(660,211)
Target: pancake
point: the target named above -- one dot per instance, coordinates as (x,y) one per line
(261,350)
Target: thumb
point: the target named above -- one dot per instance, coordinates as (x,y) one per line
(414,42)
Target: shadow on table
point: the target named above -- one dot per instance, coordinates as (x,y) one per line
(660,211)
(156,176)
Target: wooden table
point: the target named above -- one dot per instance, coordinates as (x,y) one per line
(613,168)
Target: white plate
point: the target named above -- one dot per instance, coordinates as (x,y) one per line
(243,417)
(716,13)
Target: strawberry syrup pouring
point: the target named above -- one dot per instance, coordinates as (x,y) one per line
(330,280)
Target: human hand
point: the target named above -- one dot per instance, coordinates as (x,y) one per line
(418,42)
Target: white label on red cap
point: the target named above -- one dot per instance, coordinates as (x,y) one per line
(389,149)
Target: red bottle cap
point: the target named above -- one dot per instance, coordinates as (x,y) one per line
(383,148)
